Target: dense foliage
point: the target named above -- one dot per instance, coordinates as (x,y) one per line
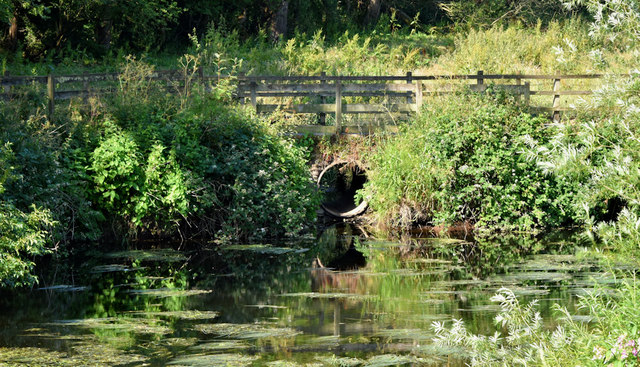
(51,30)
(462,161)
(22,234)
(143,163)
(611,338)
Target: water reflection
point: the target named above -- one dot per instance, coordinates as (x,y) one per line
(341,299)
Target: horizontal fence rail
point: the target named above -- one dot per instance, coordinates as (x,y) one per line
(324,94)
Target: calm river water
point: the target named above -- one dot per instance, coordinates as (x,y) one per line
(275,305)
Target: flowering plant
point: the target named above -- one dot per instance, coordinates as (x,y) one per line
(624,352)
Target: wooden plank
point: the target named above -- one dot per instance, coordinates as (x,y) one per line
(419,95)
(22,80)
(176,74)
(424,77)
(79,78)
(338,107)
(315,130)
(561,92)
(254,99)
(320,88)
(369,129)
(322,117)
(552,109)
(520,89)
(246,94)
(512,88)
(322,130)
(51,94)
(556,100)
(526,76)
(352,108)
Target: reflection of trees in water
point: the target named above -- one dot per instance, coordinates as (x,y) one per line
(487,255)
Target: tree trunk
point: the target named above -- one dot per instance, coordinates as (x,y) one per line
(12,36)
(105,34)
(279,23)
(373,12)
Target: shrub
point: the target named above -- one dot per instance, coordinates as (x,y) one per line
(462,161)
(22,235)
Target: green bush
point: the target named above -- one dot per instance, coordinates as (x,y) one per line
(117,177)
(208,165)
(462,161)
(600,150)
(22,235)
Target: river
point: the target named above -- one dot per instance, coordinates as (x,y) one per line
(342,298)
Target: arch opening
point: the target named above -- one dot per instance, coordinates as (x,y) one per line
(339,183)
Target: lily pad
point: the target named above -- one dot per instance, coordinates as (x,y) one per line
(405,334)
(64,288)
(392,360)
(113,268)
(264,249)
(163,255)
(227,360)
(181,315)
(339,361)
(327,295)
(135,325)
(168,292)
(246,331)
(222,345)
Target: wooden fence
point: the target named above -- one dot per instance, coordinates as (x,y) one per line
(403,94)
(325,95)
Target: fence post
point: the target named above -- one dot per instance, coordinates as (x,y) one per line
(51,93)
(518,95)
(480,81)
(85,87)
(241,89)
(527,93)
(409,81)
(556,100)
(322,117)
(418,95)
(201,78)
(7,88)
(254,98)
(338,107)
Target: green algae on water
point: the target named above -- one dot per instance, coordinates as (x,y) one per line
(180,315)
(160,255)
(246,331)
(227,360)
(263,249)
(168,292)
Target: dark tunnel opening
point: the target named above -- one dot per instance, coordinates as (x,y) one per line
(339,183)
